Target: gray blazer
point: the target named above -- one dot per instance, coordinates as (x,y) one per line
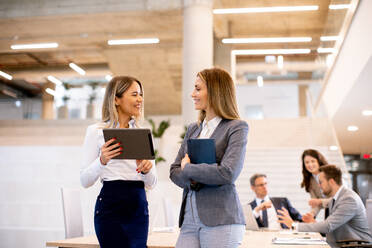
(347,220)
(217,202)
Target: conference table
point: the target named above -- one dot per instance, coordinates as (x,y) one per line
(262,239)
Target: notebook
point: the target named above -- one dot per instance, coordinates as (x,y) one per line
(201,151)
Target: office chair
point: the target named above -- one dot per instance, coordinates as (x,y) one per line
(72,213)
(360,243)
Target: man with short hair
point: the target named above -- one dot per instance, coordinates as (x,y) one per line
(262,205)
(347,215)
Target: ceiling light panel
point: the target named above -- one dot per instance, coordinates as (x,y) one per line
(77,68)
(34,46)
(6,75)
(133,41)
(54,80)
(326,50)
(329,38)
(270,51)
(339,6)
(266,40)
(266,9)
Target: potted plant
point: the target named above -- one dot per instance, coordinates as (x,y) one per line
(157,133)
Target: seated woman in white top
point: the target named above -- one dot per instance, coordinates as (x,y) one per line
(121,211)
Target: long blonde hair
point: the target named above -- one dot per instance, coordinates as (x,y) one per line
(221,93)
(116,88)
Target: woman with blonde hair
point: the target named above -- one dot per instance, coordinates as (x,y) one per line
(211,214)
(121,213)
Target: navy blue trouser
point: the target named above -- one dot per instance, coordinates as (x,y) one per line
(121,215)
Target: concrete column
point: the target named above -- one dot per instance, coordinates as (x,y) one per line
(197,49)
(48,102)
(302,101)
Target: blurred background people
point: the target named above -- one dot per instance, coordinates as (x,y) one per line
(347,217)
(264,207)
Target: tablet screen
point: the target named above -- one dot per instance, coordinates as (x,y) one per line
(136,142)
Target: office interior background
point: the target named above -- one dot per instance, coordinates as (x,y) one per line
(302,70)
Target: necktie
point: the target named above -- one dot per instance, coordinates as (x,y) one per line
(264,217)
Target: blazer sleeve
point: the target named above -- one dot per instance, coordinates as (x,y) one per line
(341,215)
(177,175)
(231,164)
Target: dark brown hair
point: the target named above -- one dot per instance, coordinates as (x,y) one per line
(305,173)
(332,172)
(221,93)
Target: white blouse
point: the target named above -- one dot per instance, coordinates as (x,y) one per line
(116,169)
(208,127)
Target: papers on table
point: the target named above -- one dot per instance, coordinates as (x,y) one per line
(298,241)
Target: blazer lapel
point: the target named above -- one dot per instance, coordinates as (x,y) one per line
(219,126)
(196,133)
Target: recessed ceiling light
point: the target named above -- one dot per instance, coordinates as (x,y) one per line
(339,6)
(18,103)
(326,50)
(54,80)
(6,75)
(329,38)
(333,148)
(266,40)
(266,9)
(270,51)
(35,46)
(352,128)
(77,68)
(133,41)
(367,112)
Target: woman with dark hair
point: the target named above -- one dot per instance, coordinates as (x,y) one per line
(311,161)
(211,215)
(121,215)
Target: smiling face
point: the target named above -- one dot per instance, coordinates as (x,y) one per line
(311,164)
(130,102)
(200,95)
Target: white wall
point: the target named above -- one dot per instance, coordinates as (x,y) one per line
(276,101)
(355,52)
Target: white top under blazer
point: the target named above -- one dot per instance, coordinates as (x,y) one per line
(116,169)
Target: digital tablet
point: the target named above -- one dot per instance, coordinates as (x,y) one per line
(136,142)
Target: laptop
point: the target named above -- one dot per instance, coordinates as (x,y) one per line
(250,220)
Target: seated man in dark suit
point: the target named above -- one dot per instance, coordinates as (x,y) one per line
(262,205)
(347,218)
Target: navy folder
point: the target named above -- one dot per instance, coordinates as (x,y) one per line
(201,151)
